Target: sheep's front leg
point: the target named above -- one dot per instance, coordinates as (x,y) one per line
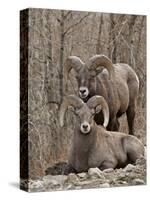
(130,118)
(113,124)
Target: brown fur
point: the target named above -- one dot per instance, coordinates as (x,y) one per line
(99,147)
(104,149)
(120,92)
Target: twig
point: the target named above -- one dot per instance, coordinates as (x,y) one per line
(118,33)
(133,59)
(75,24)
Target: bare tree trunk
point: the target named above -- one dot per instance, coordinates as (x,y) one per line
(141,62)
(61,54)
(130,41)
(50,56)
(139,36)
(98,46)
(113,38)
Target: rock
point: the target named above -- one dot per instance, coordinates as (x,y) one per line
(94,178)
(141,161)
(82,175)
(95,173)
(108,170)
(51,183)
(35,185)
(138,181)
(120,170)
(122,175)
(120,182)
(88,183)
(105,185)
(78,187)
(69,187)
(129,168)
(55,180)
(72,177)
(57,177)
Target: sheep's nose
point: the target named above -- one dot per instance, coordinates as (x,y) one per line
(85,126)
(82,91)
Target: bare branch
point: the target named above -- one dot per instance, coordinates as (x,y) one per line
(75,24)
(119,33)
(131,51)
(66,16)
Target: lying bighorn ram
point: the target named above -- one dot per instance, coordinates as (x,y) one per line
(93,145)
(117,83)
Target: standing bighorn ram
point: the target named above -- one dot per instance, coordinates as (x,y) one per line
(93,145)
(117,83)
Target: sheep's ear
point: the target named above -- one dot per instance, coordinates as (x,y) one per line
(98,109)
(93,111)
(76,111)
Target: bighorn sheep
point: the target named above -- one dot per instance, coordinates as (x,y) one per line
(93,145)
(117,83)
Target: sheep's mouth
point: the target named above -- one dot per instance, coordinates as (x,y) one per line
(83,92)
(83,96)
(85,133)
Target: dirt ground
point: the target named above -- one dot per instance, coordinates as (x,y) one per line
(94,178)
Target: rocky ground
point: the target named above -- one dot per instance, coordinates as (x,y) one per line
(94,178)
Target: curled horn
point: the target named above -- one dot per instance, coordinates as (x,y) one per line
(72,62)
(70,100)
(94,101)
(101,61)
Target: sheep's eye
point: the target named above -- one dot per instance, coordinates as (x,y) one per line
(76,111)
